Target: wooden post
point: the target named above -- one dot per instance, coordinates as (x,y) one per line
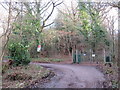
(104,54)
(72,54)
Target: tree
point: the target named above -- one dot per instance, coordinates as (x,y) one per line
(66,21)
(40,18)
(7,31)
(91,27)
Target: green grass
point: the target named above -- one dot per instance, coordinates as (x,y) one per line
(47,59)
(40,59)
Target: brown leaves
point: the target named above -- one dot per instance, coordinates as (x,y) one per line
(18,76)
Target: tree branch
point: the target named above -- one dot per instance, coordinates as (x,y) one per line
(50,13)
(8,31)
(48,24)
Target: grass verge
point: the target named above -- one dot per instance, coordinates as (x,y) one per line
(22,76)
(46,60)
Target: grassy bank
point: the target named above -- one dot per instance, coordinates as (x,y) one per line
(111,75)
(22,76)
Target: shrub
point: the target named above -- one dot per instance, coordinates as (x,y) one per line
(19,53)
(33,51)
(5,67)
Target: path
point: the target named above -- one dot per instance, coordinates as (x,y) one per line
(72,76)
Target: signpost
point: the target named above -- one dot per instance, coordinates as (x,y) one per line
(93,55)
(39,48)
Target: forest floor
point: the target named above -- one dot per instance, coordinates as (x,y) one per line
(22,76)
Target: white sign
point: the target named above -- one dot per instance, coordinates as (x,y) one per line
(93,55)
(39,48)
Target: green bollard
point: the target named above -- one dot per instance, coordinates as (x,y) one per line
(107,59)
(79,58)
(74,58)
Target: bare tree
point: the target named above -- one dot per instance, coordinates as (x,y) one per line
(40,10)
(7,32)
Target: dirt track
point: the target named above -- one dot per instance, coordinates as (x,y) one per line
(72,76)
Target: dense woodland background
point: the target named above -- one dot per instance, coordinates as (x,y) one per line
(85,26)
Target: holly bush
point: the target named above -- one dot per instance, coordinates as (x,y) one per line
(19,53)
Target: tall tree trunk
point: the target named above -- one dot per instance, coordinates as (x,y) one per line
(119,44)
(7,33)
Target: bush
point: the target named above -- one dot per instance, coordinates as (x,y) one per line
(33,51)
(5,67)
(19,53)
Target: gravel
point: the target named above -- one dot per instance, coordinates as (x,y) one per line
(72,76)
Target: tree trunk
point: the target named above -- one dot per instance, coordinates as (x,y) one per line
(104,54)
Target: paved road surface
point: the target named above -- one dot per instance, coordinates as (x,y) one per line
(73,76)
